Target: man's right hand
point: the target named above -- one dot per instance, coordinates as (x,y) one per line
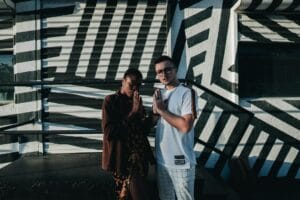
(158,103)
(156,96)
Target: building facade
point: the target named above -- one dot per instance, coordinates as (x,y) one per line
(59,59)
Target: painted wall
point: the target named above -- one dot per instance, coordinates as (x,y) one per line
(68,56)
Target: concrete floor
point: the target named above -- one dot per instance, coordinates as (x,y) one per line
(65,176)
(79,176)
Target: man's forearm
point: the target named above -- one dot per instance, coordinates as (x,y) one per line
(181,123)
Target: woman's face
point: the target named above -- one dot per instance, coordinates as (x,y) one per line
(130,84)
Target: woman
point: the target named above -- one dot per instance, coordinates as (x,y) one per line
(126,149)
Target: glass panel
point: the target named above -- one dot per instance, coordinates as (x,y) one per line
(6,77)
(269,70)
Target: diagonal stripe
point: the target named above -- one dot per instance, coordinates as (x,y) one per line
(156,41)
(203,119)
(284,5)
(214,136)
(246,31)
(257,148)
(285,107)
(233,140)
(199,17)
(295,167)
(279,161)
(175,25)
(280,30)
(274,125)
(295,4)
(223,139)
(100,40)
(172,9)
(179,45)
(220,50)
(295,103)
(80,37)
(287,162)
(294,18)
(250,142)
(274,5)
(131,40)
(197,60)
(142,35)
(274,111)
(243,141)
(198,38)
(120,41)
(254,4)
(271,158)
(209,127)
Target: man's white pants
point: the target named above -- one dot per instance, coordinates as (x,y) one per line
(179,182)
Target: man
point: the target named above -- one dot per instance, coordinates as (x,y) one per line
(174,140)
(126,149)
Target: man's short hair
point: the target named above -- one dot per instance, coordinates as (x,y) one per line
(133,72)
(164,58)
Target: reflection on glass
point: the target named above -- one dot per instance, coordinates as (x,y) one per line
(6,76)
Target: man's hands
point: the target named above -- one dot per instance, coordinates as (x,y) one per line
(158,104)
(182,123)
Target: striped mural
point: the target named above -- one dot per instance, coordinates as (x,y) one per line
(70,55)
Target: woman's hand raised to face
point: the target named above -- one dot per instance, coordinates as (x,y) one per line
(136,104)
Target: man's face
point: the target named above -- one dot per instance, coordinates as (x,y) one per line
(165,72)
(129,85)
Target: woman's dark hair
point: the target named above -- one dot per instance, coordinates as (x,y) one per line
(162,59)
(133,72)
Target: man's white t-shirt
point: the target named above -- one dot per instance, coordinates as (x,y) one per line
(173,148)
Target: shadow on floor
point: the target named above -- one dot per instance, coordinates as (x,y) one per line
(79,176)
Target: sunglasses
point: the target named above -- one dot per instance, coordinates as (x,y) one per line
(166,70)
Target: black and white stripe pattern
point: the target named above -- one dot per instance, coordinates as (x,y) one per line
(229,130)
(224,125)
(26,68)
(207,28)
(8,144)
(271,6)
(101,44)
(6,30)
(269,28)
(269,21)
